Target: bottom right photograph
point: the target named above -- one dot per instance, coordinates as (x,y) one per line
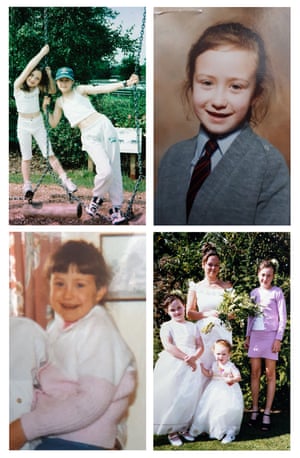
(221,333)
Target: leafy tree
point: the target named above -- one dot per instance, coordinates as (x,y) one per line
(80,37)
(177,258)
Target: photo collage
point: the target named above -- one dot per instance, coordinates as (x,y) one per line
(149,247)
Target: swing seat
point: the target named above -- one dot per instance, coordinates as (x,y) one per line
(51,210)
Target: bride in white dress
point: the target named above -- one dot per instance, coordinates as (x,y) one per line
(203,300)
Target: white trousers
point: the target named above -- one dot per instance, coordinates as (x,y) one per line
(100,141)
(28,128)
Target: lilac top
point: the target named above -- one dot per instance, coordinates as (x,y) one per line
(273,307)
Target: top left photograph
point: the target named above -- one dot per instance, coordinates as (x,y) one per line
(77,116)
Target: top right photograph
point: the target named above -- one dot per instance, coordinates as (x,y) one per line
(222,116)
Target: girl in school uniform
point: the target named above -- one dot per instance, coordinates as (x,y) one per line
(247,180)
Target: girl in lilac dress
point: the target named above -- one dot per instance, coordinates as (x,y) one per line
(263,338)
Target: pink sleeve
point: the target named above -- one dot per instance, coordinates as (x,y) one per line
(58,416)
(127,385)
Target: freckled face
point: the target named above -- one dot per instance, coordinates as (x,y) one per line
(265,277)
(223,87)
(73,295)
(34,79)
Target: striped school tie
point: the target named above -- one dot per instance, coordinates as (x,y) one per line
(200,173)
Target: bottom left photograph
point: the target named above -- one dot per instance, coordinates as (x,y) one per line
(76,364)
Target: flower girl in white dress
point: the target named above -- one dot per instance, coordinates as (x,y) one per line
(220,410)
(177,374)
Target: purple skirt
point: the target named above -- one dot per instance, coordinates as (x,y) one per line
(261,343)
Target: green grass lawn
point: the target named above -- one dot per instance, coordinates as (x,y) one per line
(250,438)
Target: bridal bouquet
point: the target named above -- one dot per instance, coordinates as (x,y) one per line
(234,306)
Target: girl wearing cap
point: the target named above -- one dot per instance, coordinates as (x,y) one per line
(27,88)
(98,135)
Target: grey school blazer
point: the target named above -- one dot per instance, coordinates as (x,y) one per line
(249,186)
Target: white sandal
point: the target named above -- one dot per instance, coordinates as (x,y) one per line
(187,436)
(174,440)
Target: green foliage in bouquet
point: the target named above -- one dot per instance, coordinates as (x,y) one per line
(235,307)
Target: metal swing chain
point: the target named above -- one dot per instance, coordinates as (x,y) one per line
(48,168)
(129,212)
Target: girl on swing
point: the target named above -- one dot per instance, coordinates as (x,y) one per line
(29,84)
(98,135)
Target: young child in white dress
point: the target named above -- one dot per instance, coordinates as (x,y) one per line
(220,410)
(177,374)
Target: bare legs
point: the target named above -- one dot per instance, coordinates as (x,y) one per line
(54,162)
(56,166)
(271,386)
